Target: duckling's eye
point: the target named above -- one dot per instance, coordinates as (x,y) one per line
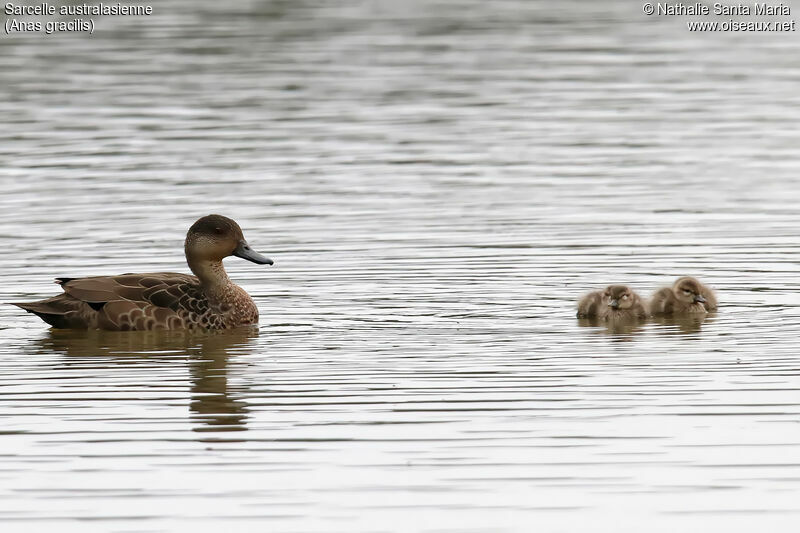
(625,297)
(687,292)
(218,231)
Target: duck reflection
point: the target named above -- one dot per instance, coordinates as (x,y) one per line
(620,330)
(680,325)
(215,404)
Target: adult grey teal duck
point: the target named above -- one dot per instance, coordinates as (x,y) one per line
(162,300)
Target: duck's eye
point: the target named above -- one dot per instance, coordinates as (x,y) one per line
(687,292)
(625,297)
(218,231)
(606,295)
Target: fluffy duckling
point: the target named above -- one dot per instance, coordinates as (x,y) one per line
(687,296)
(616,302)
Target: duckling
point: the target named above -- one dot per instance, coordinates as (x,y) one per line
(687,296)
(616,302)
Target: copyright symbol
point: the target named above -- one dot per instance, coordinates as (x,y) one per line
(648,9)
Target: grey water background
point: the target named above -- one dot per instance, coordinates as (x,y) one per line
(437,182)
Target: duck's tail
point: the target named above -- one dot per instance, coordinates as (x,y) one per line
(57,311)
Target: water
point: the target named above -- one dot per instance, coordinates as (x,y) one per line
(438,183)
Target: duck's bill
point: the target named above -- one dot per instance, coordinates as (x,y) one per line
(245,252)
(699,298)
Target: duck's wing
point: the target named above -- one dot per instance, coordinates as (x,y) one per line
(589,306)
(662,302)
(711,298)
(133,287)
(639,307)
(157,300)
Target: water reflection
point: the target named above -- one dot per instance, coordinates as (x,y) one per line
(682,325)
(215,404)
(622,330)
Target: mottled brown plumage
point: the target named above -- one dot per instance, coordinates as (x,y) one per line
(687,296)
(162,300)
(616,302)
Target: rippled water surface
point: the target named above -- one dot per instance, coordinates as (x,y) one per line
(437,182)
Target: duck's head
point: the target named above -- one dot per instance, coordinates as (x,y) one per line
(215,237)
(688,290)
(619,297)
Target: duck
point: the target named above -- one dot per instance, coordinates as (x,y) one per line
(616,302)
(207,300)
(687,296)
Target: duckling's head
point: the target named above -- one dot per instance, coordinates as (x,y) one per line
(214,237)
(619,297)
(688,290)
